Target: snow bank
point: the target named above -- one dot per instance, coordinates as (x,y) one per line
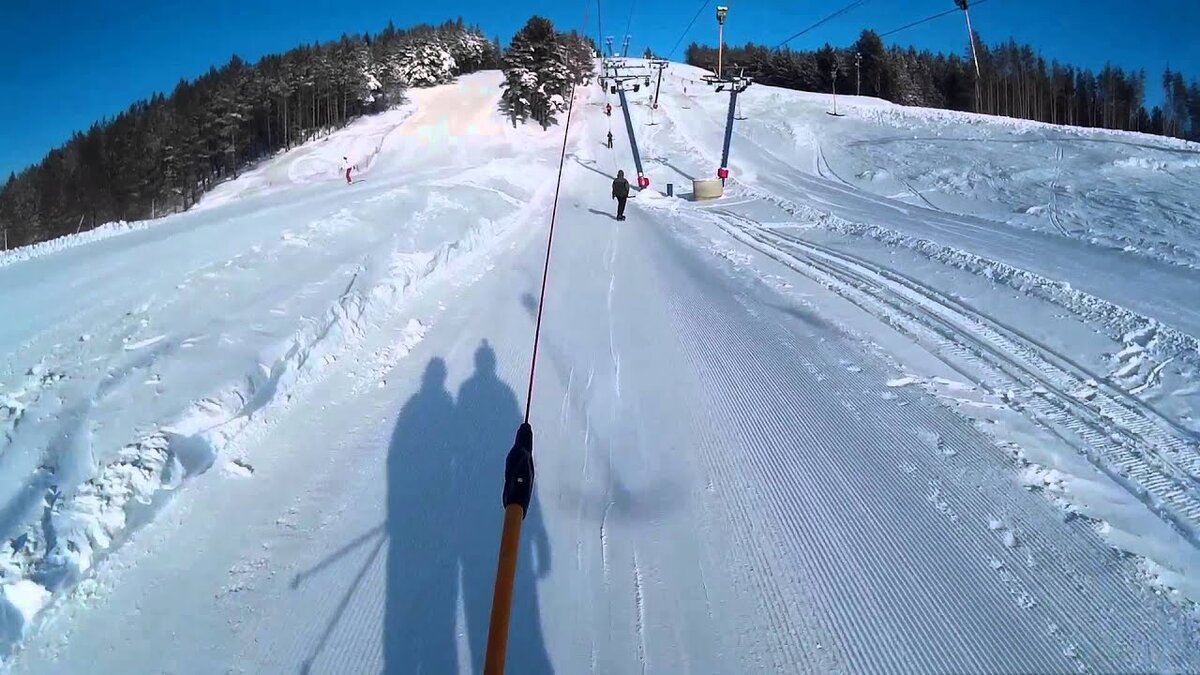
(99,233)
(21,603)
(905,117)
(1169,562)
(1120,190)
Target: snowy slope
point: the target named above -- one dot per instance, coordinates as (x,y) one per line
(1107,339)
(796,157)
(132,362)
(786,431)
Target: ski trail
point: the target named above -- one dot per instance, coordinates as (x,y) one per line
(612,282)
(1079,562)
(1054,217)
(752,503)
(639,600)
(1150,458)
(562,412)
(942,499)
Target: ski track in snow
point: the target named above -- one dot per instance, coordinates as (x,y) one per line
(1143,426)
(1015,588)
(1142,418)
(1123,436)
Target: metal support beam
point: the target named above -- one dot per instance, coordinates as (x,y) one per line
(658,85)
(723,172)
(964,5)
(637,157)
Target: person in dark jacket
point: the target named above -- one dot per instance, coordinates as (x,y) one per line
(620,193)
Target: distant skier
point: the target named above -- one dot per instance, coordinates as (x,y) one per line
(610,141)
(620,192)
(346,163)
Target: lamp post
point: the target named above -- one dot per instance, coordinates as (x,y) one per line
(858,73)
(722,12)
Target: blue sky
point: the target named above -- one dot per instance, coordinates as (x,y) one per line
(65,64)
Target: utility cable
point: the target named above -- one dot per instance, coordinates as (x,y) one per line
(927,19)
(853,5)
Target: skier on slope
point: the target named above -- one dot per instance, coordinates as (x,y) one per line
(620,192)
(610,140)
(347,166)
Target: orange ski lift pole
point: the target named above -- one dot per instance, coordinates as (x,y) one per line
(518,467)
(518,491)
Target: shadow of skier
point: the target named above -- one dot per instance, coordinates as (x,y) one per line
(422,570)
(488,416)
(445,471)
(598,212)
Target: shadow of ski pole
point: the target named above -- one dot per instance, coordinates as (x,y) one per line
(363,538)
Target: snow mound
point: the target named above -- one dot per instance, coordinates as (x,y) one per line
(22,601)
(100,233)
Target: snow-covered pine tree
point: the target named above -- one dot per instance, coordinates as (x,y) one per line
(522,93)
(539,68)
(362,76)
(470,51)
(581,57)
(426,63)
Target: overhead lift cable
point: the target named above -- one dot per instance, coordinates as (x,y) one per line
(691,23)
(628,24)
(927,19)
(599,29)
(854,5)
(518,465)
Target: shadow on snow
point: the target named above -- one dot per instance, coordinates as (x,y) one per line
(445,467)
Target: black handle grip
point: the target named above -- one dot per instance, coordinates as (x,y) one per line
(518,470)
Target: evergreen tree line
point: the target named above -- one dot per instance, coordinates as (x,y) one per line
(1014,81)
(540,66)
(161,154)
